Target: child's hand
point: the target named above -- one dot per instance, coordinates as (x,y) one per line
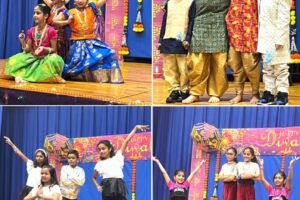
(70,19)
(260,161)
(158,46)
(99,188)
(22,35)
(202,162)
(8,141)
(40,192)
(294,159)
(186,45)
(39,51)
(155,159)
(142,127)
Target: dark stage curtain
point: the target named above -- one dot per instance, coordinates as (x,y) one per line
(28,126)
(172,142)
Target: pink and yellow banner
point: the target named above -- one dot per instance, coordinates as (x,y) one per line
(157,19)
(139,147)
(266,141)
(114,23)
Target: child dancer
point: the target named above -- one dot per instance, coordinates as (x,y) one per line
(89,59)
(274,44)
(33,167)
(48,189)
(248,171)
(243,59)
(71,177)
(178,189)
(57,7)
(38,62)
(175,37)
(228,175)
(282,186)
(110,168)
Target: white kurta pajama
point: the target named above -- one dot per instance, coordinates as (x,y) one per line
(274,21)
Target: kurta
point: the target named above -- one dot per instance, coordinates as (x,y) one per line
(209,31)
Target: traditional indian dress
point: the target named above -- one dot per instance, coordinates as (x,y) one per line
(37,69)
(89,59)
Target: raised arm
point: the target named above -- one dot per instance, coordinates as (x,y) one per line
(195,171)
(16,149)
(131,134)
(290,174)
(48,3)
(162,169)
(100,3)
(262,175)
(61,20)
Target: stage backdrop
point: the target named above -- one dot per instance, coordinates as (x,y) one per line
(173,143)
(17,15)
(28,126)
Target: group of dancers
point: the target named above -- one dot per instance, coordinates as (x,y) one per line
(42,182)
(238,178)
(200,38)
(46,56)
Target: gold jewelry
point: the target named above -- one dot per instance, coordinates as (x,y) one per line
(84,24)
(42,37)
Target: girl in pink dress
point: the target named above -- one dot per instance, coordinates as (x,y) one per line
(282,187)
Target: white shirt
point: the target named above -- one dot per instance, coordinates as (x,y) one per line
(34,174)
(47,191)
(248,168)
(228,169)
(70,181)
(111,167)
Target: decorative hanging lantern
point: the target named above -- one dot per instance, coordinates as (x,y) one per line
(124,48)
(57,145)
(207,137)
(138,25)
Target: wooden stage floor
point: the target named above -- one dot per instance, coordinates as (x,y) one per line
(160,93)
(137,89)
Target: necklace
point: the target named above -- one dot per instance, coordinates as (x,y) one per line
(39,36)
(84,24)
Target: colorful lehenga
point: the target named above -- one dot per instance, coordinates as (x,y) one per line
(37,69)
(89,59)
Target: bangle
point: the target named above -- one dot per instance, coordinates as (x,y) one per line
(15,149)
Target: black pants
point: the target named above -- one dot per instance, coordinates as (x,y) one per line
(26,190)
(64,198)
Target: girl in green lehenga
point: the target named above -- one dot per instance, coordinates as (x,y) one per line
(39,61)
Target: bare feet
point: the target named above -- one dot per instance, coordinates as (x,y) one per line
(214,99)
(238,98)
(191,99)
(254,99)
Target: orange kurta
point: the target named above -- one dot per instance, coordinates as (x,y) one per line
(242,25)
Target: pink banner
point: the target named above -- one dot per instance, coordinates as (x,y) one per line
(114,23)
(196,186)
(157,19)
(266,141)
(139,147)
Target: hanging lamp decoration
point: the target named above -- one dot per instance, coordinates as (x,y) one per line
(205,184)
(124,48)
(133,179)
(283,158)
(215,193)
(138,25)
(295,55)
